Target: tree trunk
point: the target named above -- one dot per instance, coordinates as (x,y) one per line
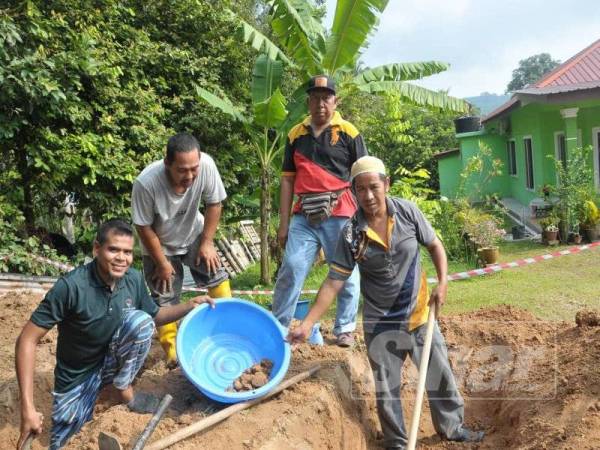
(265,212)
(27,206)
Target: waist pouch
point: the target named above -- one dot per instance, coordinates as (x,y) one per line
(317,207)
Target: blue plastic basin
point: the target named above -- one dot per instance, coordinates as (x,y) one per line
(301,311)
(302,308)
(214,346)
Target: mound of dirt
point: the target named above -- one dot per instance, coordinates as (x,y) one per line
(587,318)
(529,384)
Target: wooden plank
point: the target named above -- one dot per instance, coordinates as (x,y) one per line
(228,256)
(248,252)
(239,253)
(231,253)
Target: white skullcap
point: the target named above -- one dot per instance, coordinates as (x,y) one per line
(367,164)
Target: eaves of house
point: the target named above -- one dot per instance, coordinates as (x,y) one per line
(577,78)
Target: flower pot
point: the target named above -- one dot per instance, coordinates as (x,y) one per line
(489,255)
(577,238)
(550,236)
(590,233)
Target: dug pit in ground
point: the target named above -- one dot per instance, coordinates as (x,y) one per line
(529,384)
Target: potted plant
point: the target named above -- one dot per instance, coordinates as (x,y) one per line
(487,233)
(589,219)
(549,226)
(546,191)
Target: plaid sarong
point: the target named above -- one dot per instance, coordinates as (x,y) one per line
(126,354)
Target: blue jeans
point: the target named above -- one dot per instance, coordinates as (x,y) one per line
(302,246)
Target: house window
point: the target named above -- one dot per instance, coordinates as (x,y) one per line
(561,149)
(528,163)
(511,158)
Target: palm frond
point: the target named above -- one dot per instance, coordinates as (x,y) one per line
(417,95)
(354,21)
(259,41)
(271,113)
(266,77)
(401,71)
(296,26)
(222,103)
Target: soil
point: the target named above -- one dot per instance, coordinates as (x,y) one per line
(253,377)
(529,384)
(587,318)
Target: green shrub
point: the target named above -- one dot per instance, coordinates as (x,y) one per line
(17,252)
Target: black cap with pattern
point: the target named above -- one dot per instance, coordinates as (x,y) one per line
(321,82)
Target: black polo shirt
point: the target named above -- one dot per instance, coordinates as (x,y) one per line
(322,163)
(88,314)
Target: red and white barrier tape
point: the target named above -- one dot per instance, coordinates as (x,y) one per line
(518,263)
(453,277)
(246,292)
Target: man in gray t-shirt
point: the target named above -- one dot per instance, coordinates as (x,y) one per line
(165,207)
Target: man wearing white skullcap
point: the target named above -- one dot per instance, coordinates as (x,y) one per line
(383,239)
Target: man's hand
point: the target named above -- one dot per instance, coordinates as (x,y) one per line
(438,296)
(208,253)
(197,301)
(31,423)
(299,334)
(163,277)
(282,234)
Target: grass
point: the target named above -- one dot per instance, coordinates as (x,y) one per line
(555,289)
(251,277)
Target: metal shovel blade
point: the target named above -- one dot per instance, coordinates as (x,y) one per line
(108,441)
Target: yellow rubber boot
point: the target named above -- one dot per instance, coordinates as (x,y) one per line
(166,337)
(221,291)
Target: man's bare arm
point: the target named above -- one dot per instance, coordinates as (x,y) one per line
(31,419)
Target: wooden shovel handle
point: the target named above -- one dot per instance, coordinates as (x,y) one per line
(224,413)
(162,407)
(423,366)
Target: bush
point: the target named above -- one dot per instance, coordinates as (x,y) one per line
(17,253)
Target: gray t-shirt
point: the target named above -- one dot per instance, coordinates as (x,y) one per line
(390,278)
(175,218)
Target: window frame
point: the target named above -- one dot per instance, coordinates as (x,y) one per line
(511,156)
(529,167)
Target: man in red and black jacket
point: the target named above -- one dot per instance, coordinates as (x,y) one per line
(319,153)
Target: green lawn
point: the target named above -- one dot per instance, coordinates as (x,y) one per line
(553,289)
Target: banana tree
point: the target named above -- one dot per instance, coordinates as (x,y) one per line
(264,125)
(303,44)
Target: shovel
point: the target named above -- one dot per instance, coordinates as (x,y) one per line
(209,421)
(27,444)
(414,424)
(108,441)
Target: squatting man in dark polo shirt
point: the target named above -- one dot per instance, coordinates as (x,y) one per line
(105,319)
(383,239)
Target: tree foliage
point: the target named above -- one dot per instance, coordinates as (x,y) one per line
(90,92)
(531,70)
(401,134)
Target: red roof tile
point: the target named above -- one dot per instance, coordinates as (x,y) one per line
(581,68)
(581,71)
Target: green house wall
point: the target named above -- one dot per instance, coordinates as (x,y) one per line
(538,121)
(449,167)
